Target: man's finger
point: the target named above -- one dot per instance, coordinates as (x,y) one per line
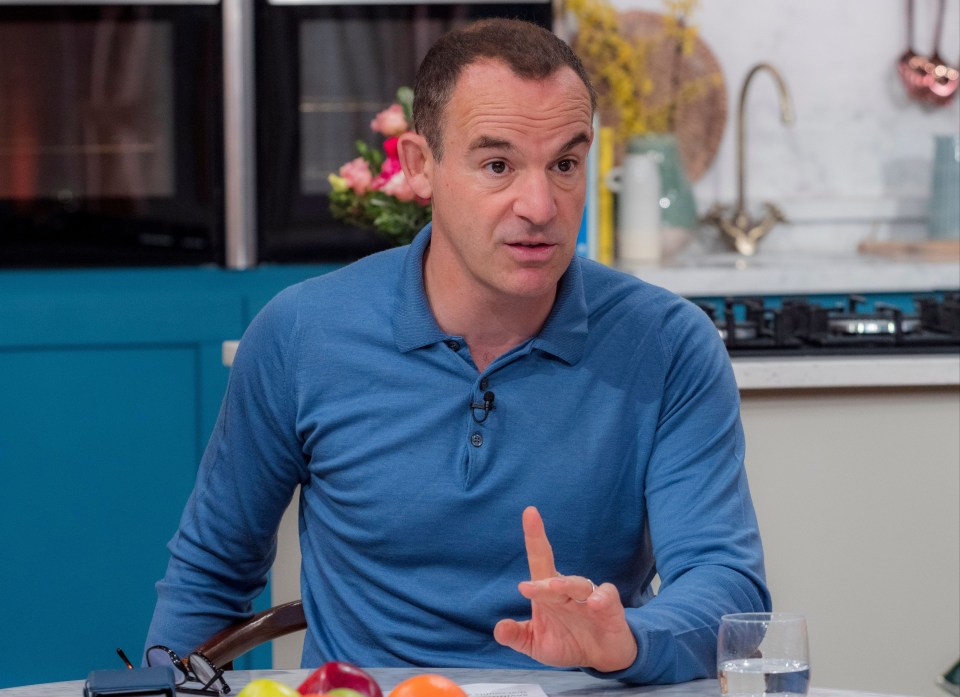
(539,552)
(513,634)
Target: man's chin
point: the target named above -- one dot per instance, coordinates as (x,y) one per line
(534,283)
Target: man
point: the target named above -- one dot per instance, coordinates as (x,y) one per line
(434,400)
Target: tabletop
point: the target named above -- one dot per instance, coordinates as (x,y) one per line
(555,683)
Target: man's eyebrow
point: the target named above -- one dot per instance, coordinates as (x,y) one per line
(489,142)
(575,141)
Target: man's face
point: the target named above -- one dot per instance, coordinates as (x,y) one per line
(508,194)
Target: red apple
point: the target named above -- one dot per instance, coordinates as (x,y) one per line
(334,674)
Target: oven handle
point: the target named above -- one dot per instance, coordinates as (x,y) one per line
(396,2)
(240,189)
(79,3)
(560,26)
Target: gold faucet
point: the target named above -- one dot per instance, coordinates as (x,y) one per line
(739,230)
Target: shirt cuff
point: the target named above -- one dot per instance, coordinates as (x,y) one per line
(652,664)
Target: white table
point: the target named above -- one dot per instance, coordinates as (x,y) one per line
(554,683)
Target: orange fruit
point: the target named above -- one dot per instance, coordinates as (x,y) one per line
(427,685)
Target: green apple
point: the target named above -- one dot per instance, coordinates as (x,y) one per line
(336,692)
(344,692)
(264,687)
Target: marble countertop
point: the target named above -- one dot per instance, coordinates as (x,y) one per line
(721,274)
(554,683)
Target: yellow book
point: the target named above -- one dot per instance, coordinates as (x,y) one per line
(605,225)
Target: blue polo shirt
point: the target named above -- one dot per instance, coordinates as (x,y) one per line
(619,421)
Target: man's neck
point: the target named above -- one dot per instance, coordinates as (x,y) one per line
(491,324)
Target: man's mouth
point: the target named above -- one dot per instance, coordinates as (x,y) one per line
(531,245)
(532,252)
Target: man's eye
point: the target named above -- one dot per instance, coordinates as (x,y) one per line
(566,165)
(497,167)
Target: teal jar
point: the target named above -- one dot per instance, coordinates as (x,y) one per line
(944,219)
(677,206)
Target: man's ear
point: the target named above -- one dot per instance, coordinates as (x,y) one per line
(417,162)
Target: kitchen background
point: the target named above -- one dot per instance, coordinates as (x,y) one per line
(856,164)
(110,379)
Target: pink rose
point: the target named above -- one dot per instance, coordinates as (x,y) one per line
(390,121)
(357,175)
(388,169)
(390,147)
(398,187)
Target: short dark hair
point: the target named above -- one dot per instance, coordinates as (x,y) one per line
(529,50)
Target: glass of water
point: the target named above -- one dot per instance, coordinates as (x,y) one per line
(762,654)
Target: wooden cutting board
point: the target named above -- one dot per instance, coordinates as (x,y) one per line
(922,250)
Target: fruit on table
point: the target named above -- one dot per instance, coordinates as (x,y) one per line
(344,692)
(334,675)
(335,692)
(264,687)
(428,685)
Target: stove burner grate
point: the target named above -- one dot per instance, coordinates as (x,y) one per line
(799,326)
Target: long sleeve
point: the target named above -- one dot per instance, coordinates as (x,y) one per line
(226,541)
(703,528)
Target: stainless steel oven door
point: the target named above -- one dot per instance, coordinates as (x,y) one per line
(111,134)
(324,69)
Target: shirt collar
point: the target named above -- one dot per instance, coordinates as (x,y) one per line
(414,325)
(564,334)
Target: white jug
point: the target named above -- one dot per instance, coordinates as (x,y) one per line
(637,184)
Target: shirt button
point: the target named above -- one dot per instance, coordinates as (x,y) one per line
(453,345)
(476,440)
(484,383)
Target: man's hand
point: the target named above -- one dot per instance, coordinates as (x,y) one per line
(573,622)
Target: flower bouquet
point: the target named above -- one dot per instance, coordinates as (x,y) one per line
(371,190)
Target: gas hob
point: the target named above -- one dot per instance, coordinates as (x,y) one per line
(803,326)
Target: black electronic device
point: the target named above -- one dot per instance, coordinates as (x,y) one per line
(156,681)
(950,680)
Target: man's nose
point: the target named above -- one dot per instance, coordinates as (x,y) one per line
(536,199)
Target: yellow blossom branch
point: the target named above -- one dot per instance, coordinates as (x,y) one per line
(618,65)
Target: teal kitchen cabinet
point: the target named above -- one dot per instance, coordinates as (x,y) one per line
(110,383)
